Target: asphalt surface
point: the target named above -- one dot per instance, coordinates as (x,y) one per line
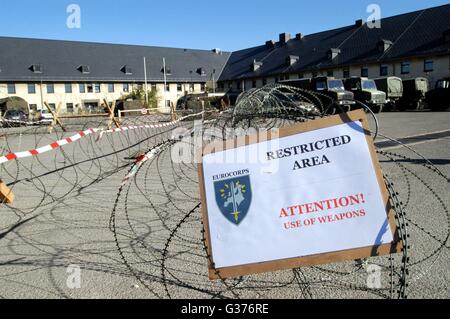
(144,240)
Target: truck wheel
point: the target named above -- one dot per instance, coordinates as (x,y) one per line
(377,109)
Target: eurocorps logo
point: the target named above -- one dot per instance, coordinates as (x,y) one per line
(233,195)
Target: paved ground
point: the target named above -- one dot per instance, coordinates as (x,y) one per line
(144,240)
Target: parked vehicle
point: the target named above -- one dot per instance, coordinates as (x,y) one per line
(296,104)
(393,87)
(15,118)
(366,91)
(44,116)
(414,93)
(439,98)
(329,86)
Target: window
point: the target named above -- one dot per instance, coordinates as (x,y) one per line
(364,72)
(31,88)
(346,73)
(85,69)
(201,71)
(126,87)
(167,87)
(69,107)
(36,68)
(384,70)
(90,88)
(238,83)
(405,68)
(127,70)
(321,85)
(179,87)
(154,87)
(253,84)
(111,88)
(68,88)
(52,106)
(330,73)
(168,70)
(82,87)
(11,88)
(168,103)
(264,82)
(428,65)
(192,87)
(98,88)
(369,85)
(50,88)
(287,77)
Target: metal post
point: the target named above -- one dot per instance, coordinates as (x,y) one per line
(165,83)
(145,86)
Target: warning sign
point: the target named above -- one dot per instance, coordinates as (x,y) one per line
(314,195)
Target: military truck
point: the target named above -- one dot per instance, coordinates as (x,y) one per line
(14,104)
(365,91)
(393,87)
(439,98)
(414,93)
(342,100)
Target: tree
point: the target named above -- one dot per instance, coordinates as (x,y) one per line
(138,94)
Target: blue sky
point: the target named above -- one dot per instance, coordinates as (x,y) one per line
(202,24)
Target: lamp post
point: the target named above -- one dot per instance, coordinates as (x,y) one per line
(214,81)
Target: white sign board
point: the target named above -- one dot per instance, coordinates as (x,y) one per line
(309,194)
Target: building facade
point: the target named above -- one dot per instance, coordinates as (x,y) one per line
(81,76)
(415,44)
(76,98)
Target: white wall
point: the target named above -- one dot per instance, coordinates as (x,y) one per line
(78,99)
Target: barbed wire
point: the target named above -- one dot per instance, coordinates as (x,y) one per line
(158,238)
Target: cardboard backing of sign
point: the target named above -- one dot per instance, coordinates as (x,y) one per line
(327,258)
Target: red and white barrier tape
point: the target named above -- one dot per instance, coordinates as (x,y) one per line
(47,148)
(141,160)
(69,140)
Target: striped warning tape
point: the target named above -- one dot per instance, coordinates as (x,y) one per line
(142,159)
(69,140)
(47,148)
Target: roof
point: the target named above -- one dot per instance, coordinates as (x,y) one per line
(61,61)
(417,33)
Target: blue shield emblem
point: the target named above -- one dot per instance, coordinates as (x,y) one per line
(234,197)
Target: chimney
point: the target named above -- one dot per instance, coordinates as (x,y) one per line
(270,44)
(299,36)
(359,23)
(285,38)
(384,45)
(333,53)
